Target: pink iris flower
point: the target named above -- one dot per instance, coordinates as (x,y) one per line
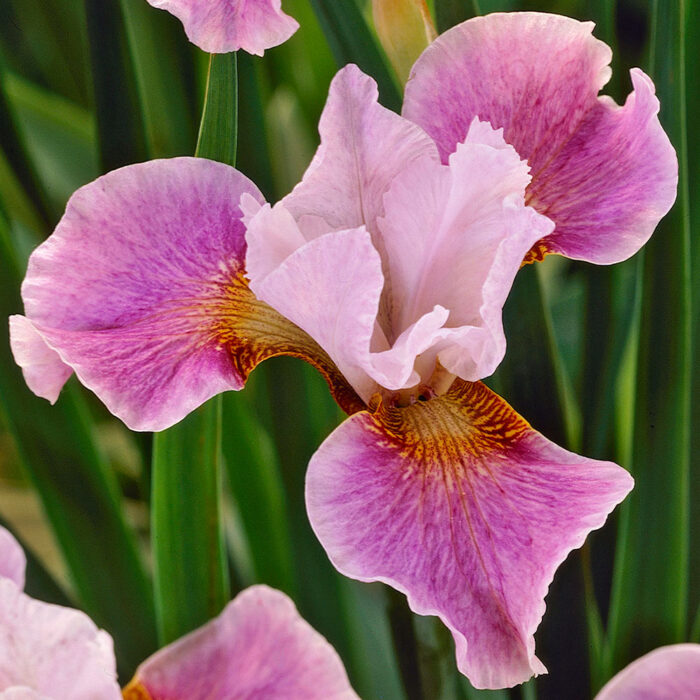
(387,268)
(259,646)
(220,26)
(667,673)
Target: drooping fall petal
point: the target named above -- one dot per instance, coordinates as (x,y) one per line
(458,503)
(259,647)
(667,673)
(220,26)
(141,291)
(13,562)
(48,651)
(605,174)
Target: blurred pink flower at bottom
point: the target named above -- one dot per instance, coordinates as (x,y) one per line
(667,673)
(258,646)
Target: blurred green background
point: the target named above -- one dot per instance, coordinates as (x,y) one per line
(600,359)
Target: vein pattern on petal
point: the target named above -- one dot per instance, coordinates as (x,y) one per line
(605,174)
(458,503)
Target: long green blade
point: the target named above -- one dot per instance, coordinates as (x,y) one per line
(451,12)
(218,131)
(693,105)
(117,106)
(191,575)
(165,70)
(650,596)
(352,42)
(256,484)
(15,151)
(188,551)
(57,448)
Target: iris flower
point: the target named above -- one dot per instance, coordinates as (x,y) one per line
(257,647)
(386,268)
(667,673)
(220,26)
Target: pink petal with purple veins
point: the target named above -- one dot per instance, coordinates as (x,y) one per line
(220,26)
(363,147)
(604,174)
(612,182)
(259,647)
(138,291)
(12,559)
(667,673)
(458,503)
(53,651)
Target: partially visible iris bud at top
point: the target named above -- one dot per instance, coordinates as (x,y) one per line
(258,647)
(221,26)
(404,28)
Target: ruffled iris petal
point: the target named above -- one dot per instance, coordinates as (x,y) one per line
(363,147)
(52,651)
(456,235)
(667,673)
(220,26)
(605,174)
(259,647)
(461,505)
(612,182)
(13,562)
(141,290)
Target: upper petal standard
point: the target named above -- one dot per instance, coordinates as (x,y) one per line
(460,504)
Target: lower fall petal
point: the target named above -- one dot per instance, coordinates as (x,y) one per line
(259,647)
(142,291)
(462,506)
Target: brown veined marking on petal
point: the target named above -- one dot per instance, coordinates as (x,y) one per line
(542,248)
(252,331)
(454,433)
(537,253)
(136,691)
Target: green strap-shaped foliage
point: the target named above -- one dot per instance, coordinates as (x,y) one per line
(650,596)
(352,42)
(692,8)
(118,109)
(451,12)
(164,66)
(191,573)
